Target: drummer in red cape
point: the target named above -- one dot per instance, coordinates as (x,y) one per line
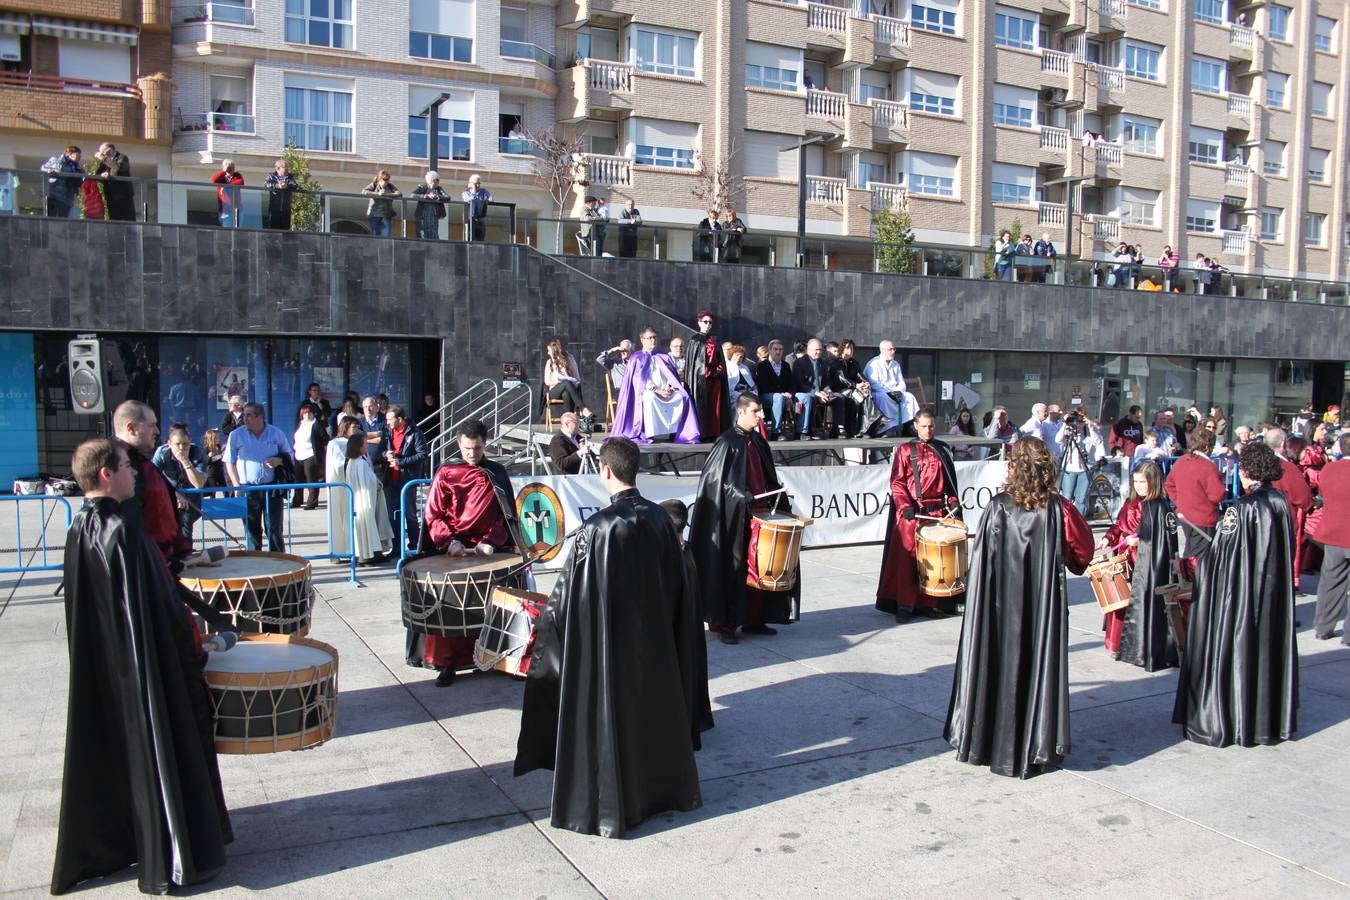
(923,483)
(470,509)
(739,468)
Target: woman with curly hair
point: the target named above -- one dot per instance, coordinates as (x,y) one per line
(1010,696)
(1239,671)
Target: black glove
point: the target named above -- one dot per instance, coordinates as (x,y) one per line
(910,513)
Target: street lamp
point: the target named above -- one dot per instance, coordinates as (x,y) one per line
(1070,182)
(433,114)
(801,188)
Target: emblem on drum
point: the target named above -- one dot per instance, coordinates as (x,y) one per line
(541,519)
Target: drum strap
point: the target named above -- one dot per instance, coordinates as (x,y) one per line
(914,465)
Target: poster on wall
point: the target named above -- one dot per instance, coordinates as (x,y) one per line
(230,380)
(330,383)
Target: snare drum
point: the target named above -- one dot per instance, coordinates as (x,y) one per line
(775,545)
(1177,603)
(507,638)
(942,555)
(448,596)
(1111,582)
(262,593)
(272,693)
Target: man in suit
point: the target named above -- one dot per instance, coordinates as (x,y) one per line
(812,374)
(568,448)
(777,388)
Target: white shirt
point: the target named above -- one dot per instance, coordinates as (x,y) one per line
(304,440)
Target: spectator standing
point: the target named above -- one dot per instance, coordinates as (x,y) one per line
(91,195)
(964,425)
(1121,271)
(234,415)
(259,453)
(281,186)
(311,443)
(119,192)
(601,229)
(586,233)
(1081,441)
(1004,251)
(228,181)
(477,198)
(314,394)
(1045,248)
(1332,531)
(431,200)
(1167,434)
(1000,428)
(1027,249)
(631,217)
(1137,266)
(408,460)
(705,242)
(1168,262)
(64,177)
(1127,434)
(214,451)
(733,231)
(183,466)
(380,209)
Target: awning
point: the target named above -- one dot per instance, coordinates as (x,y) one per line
(85,31)
(11,23)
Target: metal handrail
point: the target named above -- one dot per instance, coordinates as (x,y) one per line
(42,540)
(404,552)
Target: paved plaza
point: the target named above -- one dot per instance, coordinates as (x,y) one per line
(826,774)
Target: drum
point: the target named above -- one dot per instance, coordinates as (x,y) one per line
(507,638)
(775,545)
(1177,603)
(272,693)
(262,593)
(1111,582)
(27,486)
(448,596)
(941,552)
(63,487)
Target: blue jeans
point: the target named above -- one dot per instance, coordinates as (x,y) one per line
(776,403)
(229,218)
(1003,271)
(1074,485)
(379,226)
(807,401)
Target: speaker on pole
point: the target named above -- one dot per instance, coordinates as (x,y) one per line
(86,376)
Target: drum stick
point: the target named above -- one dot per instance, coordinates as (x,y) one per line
(770,493)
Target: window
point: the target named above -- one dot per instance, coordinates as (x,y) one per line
(1208,75)
(932,92)
(933,174)
(1138,206)
(320,23)
(230,104)
(1014,106)
(1314,226)
(1324,36)
(319,116)
(768,66)
(934,15)
(1147,4)
(1202,216)
(669,145)
(1211,11)
(871,167)
(1279,22)
(1321,99)
(1140,135)
(666,52)
(1143,61)
(442,29)
(94,60)
(1276,83)
(515,30)
(1317,165)
(1272,153)
(453,138)
(1013,184)
(1204,145)
(760,153)
(1014,30)
(874,85)
(1272,223)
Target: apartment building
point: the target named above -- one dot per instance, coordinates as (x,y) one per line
(81,74)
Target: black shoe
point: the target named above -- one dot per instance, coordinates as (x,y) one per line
(903,614)
(446,677)
(759,629)
(307,506)
(1325,637)
(729,637)
(932,612)
(780,437)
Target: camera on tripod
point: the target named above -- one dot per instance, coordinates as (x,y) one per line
(1076,418)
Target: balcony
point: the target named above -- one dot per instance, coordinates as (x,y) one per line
(1055,214)
(820,189)
(890,197)
(215,123)
(1240,107)
(1113,13)
(608,171)
(609,77)
(825,104)
(890,120)
(1235,243)
(1054,140)
(1105,228)
(53,105)
(218,13)
(1109,155)
(1111,85)
(892,34)
(1237,175)
(1056,62)
(522,50)
(832,19)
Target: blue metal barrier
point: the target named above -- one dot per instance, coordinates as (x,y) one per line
(1228,471)
(404,552)
(284,489)
(40,499)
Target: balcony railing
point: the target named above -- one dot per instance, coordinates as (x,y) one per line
(35,81)
(825,104)
(610,171)
(1051,213)
(1109,154)
(886,196)
(1054,139)
(820,189)
(889,114)
(826,18)
(1237,174)
(1241,36)
(1113,9)
(1240,106)
(1105,228)
(219,13)
(1056,62)
(518,147)
(1235,243)
(1109,79)
(616,77)
(216,122)
(522,50)
(891,32)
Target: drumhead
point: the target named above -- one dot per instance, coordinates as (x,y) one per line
(462,565)
(939,533)
(258,657)
(244,565)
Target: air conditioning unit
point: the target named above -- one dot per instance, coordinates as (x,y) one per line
(10,50)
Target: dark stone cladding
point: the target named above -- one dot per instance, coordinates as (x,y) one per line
(498,302)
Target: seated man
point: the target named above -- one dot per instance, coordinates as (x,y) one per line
(812,374)
(653,405)
(887,379)
(777,389)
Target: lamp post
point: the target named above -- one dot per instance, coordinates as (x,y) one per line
(1070,182)
(433,114)
(800,147)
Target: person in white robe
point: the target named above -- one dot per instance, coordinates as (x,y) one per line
(374,534)
(884,374)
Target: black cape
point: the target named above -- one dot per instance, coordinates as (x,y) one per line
(1010,694)
(612,695)
(719,533)
(1145,640)
(696,383)
(141,784)
(1239,677)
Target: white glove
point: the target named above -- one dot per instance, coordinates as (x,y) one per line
(456,549)
(484,550)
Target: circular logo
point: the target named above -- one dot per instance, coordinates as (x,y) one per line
(1170,521)
(1229,525)
(542,521)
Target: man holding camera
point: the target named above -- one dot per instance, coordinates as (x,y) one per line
(1081,441)
(568,450)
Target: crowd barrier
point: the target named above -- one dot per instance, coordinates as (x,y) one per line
(404,552)
(42,546)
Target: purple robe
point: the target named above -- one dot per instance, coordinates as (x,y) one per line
(628,406)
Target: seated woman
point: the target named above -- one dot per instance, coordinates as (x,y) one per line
(562,378)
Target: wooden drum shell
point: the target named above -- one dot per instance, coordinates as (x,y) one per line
(942,559)
(448,596)
(273,710)
(774,551)
(1111,582)
(507,637)
(263,603)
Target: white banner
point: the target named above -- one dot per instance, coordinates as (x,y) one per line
(850,504)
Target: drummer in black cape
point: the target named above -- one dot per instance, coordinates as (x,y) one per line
(613,692)
(1239,674)
(738,469)
(141,784)
(1010,695)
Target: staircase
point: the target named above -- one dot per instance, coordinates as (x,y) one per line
(508,413)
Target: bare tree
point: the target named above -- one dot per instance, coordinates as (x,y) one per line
(714,186)
(558,168)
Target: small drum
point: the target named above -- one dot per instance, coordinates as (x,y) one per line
(262,593)
(1111,582)
(26,486)
(448,596)
(941,552)
(63,487)
(775,545)
(507,638)
(1177,601)
(272,693)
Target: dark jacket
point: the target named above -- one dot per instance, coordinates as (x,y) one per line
(804,375)
(769,383)
(414,457)
(565,455)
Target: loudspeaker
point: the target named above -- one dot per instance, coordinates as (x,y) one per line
(86,376)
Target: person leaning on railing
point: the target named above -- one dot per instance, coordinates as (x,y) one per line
(64,174)
(380,210)
(227,194)
(114,170)
(431,200)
